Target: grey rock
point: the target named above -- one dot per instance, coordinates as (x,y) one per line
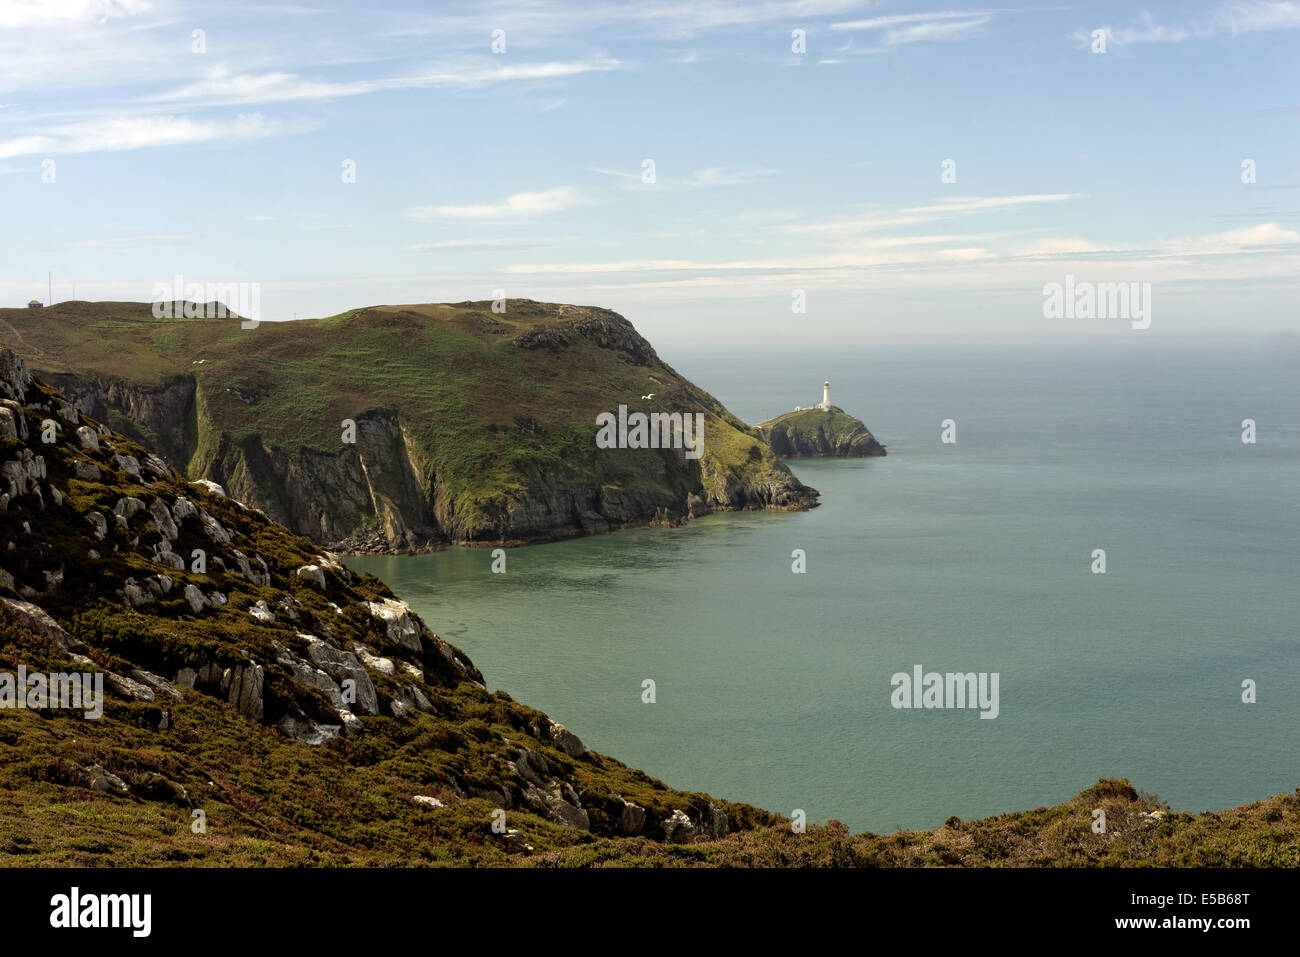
(308,731)
(566,741)
(244,685)
(313,574)
(196,599)
(87,439)
(631,819)
(36,620)
(128,688)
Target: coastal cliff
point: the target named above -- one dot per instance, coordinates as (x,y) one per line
(470,426)
(819,432)
(270,707)
(233,654)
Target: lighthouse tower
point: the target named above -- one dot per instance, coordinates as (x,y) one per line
(826,394)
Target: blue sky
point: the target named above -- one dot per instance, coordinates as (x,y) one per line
(775,170)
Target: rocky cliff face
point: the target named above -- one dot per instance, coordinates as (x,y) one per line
(209,622)
(454,464)
(819,433)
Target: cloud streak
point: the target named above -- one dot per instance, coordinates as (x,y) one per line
(138,132)
(516,207)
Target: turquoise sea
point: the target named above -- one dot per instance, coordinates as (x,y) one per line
(774,688)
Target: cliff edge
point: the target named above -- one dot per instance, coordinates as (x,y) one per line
(818,432)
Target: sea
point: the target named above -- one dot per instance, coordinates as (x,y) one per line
(701,656)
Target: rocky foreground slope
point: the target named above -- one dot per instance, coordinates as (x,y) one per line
(233,649)
(471,426)
(265,706)
(819,433)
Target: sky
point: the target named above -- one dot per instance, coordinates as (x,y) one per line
(904,171)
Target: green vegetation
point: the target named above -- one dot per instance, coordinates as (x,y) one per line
(273,800)
(496,414)
(818,432)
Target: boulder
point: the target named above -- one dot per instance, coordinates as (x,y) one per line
(566,740)
(631,819)
(313,574)
(87,439)
(128,688)
(196,599)
(399,624)
(162,520)
(38,622)
(244,685)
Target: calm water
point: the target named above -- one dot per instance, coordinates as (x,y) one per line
(774,688)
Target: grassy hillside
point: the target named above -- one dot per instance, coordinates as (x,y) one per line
(223,681)
(493,414)
(819,432)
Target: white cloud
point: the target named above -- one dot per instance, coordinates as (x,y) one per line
(520,205)
(1236,240)
(914,27)
(948,208)
(934,30)
(722,176)
(1233,18)
(1246,17)
(222,87)
(28,13)
(680,19)
(136,132)
(488,244)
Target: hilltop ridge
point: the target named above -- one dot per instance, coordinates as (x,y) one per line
(471,426)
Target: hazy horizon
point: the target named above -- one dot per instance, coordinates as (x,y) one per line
(904,172)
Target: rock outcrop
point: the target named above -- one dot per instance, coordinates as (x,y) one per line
(821,433)
(430,454)
(137,573)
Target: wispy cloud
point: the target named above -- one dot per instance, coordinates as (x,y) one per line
(28,13)
(1232,18)
(723,176)
(1236,240)
(487,245)
(137,132)
(914,27)
(933,212)
(222,87)
(676,18)
(129,242)
(700,178)
(518,206)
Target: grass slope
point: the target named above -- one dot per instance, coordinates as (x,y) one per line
(491,401)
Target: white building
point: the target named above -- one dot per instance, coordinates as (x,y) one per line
(826,395)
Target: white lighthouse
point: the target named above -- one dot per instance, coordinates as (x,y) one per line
(826,394)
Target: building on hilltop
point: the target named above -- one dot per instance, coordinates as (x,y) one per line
(825,403)
(34,304)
